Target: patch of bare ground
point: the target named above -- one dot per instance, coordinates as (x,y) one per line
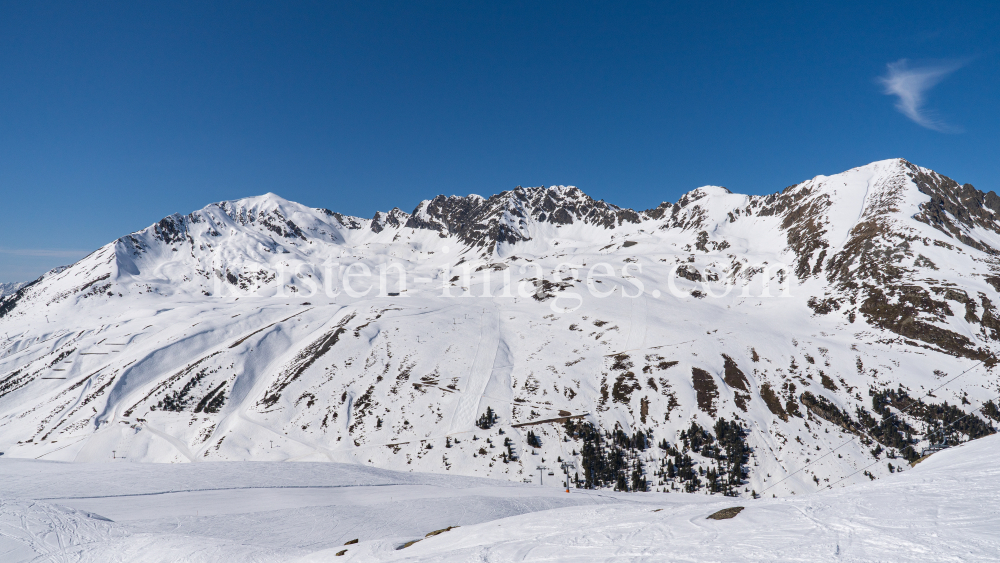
(725,513)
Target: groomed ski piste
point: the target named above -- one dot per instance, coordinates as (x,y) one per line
(947,508)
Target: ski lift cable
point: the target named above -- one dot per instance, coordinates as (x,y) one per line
(960,419)
(956,421)
(804,467)
(942,428)
(975,365)
(857,428)
(901,411)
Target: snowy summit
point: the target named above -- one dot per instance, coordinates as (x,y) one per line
(743,348)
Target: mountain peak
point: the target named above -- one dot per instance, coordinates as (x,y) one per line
(265,202)
(395,217)
(240,308)
(511,216)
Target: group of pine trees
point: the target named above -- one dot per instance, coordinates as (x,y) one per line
(887,430)
(533,440)
(487,420)
(727,447)
(942,422)
(616,460)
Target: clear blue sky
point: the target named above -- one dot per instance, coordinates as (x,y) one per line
(113,115)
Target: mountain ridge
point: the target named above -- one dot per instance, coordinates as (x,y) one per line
(201,335)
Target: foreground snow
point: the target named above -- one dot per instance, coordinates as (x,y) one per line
(243,511)
(946,509)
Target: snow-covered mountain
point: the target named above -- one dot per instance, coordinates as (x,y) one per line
(534,327)
(10,287)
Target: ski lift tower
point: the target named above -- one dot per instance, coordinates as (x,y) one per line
(566,466)
(541,469)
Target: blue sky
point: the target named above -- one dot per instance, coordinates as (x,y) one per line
(113,115)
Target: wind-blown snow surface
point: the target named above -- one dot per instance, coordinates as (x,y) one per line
(182,342)
(947,509)
(943,510)
(242,511)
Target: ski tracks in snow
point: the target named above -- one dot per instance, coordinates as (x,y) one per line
(637,324)
(635,340)
(43,532)
(480,373)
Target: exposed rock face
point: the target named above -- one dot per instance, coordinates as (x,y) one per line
(394,218)
(505,217)
(955,210)
(256,317)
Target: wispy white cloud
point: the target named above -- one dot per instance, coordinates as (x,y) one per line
(910,84)
(44,252)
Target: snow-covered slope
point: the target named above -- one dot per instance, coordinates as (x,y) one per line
(942,510)
(945,510)
(243,511)
(244,331)
(11,287)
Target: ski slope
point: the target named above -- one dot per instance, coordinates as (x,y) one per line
(945,509)
(232,334)
(242,511)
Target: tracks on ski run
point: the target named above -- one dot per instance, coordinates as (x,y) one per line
(637,324)
(52,533)
(478,378)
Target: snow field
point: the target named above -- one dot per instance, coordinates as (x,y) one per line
(945,509)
